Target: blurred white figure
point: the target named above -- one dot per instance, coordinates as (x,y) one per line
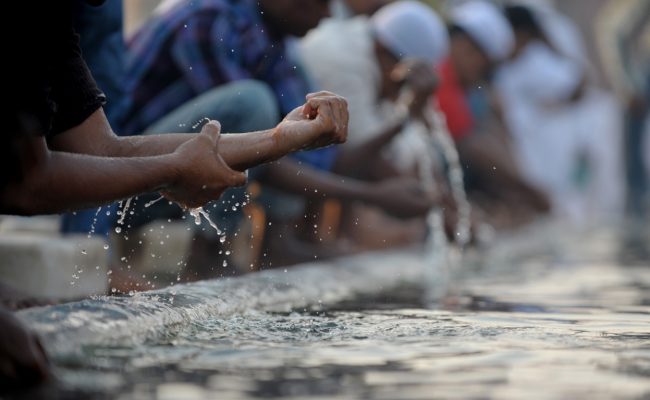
(340,56)
(567,133)
(646,146)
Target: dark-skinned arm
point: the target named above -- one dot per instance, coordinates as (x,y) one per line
(402,197)
(321,121)
(359,157)
(55,181)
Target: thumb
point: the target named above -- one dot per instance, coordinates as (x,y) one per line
(212,129)
(239,178)
(310,109)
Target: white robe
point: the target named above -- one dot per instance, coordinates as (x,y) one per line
(339,56)
(552,135)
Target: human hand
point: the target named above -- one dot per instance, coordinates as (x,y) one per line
(321,121)
(23,361)
(418,81)
(202,174)
(402,197)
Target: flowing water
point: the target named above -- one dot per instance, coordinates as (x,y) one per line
(545,314)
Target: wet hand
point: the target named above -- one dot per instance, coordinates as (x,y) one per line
(418,80)
(321,121)
(202,174)
(403,197)
(23,361)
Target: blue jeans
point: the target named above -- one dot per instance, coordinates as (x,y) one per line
(240,106)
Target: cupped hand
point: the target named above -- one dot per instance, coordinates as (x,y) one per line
(321,121)
(202,174)
(419,80)
(403,197)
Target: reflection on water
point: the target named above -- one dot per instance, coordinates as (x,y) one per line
(548,316)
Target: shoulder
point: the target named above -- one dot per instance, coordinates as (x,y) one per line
(339,34)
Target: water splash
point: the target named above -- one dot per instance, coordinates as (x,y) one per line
(94,223)
(134,319)
(204,119)
(152,202)
(455,175)
(199,212)
(122,213)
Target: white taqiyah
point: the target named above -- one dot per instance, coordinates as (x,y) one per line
(410,29)
(487,26)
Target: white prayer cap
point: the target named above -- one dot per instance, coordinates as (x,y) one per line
(487,26)
(409,29)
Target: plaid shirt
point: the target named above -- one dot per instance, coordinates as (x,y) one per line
(190,47)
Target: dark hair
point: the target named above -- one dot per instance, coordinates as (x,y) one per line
(454,30)
(522,19)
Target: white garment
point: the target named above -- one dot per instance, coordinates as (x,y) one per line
(646,147)
(340,57)
(552,135)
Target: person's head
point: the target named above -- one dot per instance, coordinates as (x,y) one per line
(406,30)
(293,17)
(525,25)
(480,38)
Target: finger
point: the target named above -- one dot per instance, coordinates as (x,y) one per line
(212,129)
(322,93)
(325,112)
(239,179)
(339,116)
(309,112)
(232,177)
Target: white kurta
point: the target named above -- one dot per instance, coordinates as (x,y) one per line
(552,135)
(339,55)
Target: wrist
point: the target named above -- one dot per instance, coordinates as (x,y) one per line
(368,192)
(171,169)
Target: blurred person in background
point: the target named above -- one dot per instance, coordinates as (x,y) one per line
(566,132)
(374,60)
(480,39)
(229,60)
(623,36)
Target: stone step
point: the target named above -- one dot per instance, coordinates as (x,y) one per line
(51,266)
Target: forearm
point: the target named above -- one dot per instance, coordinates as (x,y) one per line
(305,181)
(95,137)
(65,181)
(355,156)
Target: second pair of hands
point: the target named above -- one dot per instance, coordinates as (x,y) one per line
(202,174)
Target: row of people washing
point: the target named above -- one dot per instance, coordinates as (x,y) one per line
(513,85)
(508,88)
